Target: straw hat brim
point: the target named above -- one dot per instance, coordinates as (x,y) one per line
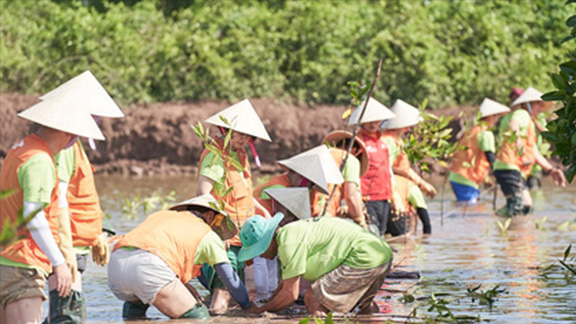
(333,138)
(295,199)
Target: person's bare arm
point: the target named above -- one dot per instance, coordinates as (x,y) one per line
(205,185)
(261,210)
(555,173)
(354,202)
(284,297)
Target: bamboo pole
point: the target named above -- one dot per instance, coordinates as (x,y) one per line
(354,133)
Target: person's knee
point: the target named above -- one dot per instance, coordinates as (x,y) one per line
(134,310)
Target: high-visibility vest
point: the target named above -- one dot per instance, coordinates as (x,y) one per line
(84,205)
(279,180)
(239,203)
(376,182)
(401,161)
(173,237)
(318,199)
(25,250)
(479,167)
(509,153)
(403,186)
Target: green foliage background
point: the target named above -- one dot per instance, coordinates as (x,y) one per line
(450,52)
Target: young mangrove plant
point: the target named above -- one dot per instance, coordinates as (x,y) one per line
(142,206)
(503,227)
(487,297)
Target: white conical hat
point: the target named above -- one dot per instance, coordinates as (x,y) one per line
(316,165)
(375,111)
(489,107)
(406,115)
(296,200)
(242,118)
(64,112)
(529,95)
(93,95)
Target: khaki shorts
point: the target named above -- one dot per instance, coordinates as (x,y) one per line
(138,275)
(345,288)
(18,283)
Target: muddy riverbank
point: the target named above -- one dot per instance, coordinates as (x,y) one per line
(157,138)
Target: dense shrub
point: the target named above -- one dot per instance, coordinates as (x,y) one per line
(451,52)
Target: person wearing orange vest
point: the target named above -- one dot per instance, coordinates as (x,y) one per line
(350,191)
(79,197)
(314,169)
(376,184)
(42,245)
(153,263)
(415,203)
(471,167)
(230,169)
(518,153)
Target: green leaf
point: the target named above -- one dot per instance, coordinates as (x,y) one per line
(6,193)
(567,252)
(571,22)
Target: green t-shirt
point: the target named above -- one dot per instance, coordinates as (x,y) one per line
(416,198)
(351,171)
(211,250)
(523,119)
(313,247)
(543,146)
(66,164)
(37,180)
(393,149)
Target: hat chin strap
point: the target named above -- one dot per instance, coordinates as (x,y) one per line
(256,157)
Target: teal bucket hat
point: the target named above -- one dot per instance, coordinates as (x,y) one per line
(256,235)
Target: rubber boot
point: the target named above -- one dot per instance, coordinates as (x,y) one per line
(527,210)
(134,310)
(67,310)
(513,207)
(199,311)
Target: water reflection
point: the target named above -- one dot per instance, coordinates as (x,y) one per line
(467,251)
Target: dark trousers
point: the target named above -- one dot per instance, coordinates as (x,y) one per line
(380,216)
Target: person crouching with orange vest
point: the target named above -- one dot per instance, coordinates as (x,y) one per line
(471,167)
(376,183)
(153,263)
(42,244)
(227,177)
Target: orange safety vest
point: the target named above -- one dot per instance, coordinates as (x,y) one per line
(173,237)
(279,180)
(479,165)
(84,205)
(402,186)
(318,199)
(510,154)
(239,203)
(25,250)
(401,161)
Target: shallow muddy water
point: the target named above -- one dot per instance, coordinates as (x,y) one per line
(468,250)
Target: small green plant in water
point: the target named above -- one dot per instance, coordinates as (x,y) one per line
(566,263)
(138,206)
(539,223)
(328,320)
(503,227)
(487,297)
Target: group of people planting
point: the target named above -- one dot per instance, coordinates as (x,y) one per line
(314,232)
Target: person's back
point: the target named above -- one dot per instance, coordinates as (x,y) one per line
(316,246)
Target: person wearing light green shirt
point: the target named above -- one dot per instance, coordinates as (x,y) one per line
(345,263)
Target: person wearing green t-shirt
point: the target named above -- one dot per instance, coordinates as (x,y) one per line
(471,166)
(324,251)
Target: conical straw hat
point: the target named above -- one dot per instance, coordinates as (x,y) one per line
(316,165)
(375,111)
(336,137)
(296,200)
(64,112)
(489,107)
(406,115)
(91,92)
(227,228)
(242,118)
(529,95)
